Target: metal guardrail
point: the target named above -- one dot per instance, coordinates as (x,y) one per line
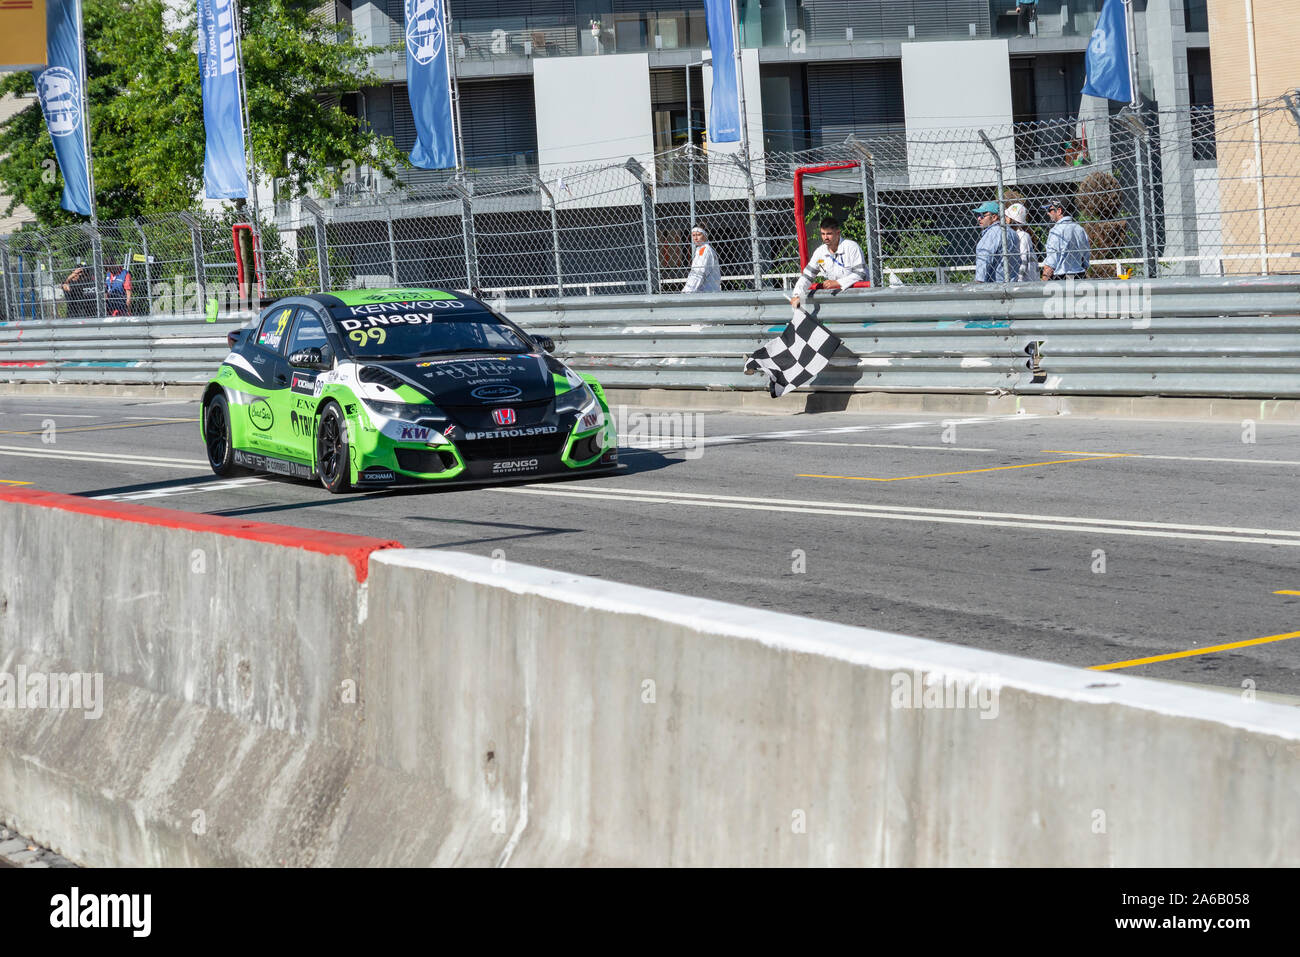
(1238,337)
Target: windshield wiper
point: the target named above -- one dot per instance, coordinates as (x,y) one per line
(486,349)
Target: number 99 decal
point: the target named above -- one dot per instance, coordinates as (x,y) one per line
(359,336)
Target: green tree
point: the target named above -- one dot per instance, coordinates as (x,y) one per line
(914,248)
(146,108)
(852,218)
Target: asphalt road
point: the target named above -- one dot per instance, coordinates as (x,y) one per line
(1085,541)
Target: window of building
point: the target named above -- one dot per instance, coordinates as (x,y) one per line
(498,122)
(1200,89)
(864,98)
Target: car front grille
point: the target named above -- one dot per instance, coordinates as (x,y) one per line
(424,460)
(513,448)
(478,418)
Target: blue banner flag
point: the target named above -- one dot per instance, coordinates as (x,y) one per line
(58,87)
(724,110)
(225,174)
(1107,58)
(428,83)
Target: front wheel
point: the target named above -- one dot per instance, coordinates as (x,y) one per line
(217,436)
(333,458)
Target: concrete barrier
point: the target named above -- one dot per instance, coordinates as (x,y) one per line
(269,699)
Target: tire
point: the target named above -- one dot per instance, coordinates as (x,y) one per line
(218,438)
(333,457)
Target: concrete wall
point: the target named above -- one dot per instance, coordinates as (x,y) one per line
(954,85)
(513,715)
(593,110)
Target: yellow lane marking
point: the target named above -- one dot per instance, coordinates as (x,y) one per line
(12,482)
(1195,651)
(1286,592)
(995,468)
(95,428)
(1185,458)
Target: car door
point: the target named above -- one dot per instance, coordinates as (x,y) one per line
(269,414)
(300,404)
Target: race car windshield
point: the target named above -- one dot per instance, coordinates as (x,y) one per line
(410,330)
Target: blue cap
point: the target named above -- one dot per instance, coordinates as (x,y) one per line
(989,207)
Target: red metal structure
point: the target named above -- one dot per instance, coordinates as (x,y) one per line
(799,215)
(235,230)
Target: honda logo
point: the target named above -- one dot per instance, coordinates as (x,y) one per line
(503,416)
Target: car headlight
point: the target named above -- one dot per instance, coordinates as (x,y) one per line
(406,411)
(581,399)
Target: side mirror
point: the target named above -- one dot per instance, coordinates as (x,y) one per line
(545,342)
(310,359)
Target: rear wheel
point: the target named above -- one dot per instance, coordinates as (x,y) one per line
(333,457)
(217,436)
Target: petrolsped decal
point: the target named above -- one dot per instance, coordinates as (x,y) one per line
(259,413)
(512,433)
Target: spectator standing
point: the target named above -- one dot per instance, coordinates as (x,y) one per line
(997,254)
(838,260)
(1068,252)
(705,274)
(79,292)
(1017,217)
(1026,13)
(117,290)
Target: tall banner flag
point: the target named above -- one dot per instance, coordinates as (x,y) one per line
(1107,57)
(724,110)
(58,87)
(428,83)
(225,173)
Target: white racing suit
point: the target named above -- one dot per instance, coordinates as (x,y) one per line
(705,274)
(846,266)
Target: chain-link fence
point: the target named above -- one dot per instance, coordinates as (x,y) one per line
(1211,192)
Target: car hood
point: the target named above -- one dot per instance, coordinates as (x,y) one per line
(482,379)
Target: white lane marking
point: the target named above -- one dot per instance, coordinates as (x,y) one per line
(890,445)
(162,418)
(977,513)
(80,453)
(101,459)
(851,429)
(182,490)
(1206,533)
(53,415)
(1187,458)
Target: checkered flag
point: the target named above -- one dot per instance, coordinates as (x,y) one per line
(795,357)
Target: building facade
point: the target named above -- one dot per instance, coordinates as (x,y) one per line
(548,85)
(825,68)
(1254,44)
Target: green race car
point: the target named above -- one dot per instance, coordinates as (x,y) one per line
(369,388)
